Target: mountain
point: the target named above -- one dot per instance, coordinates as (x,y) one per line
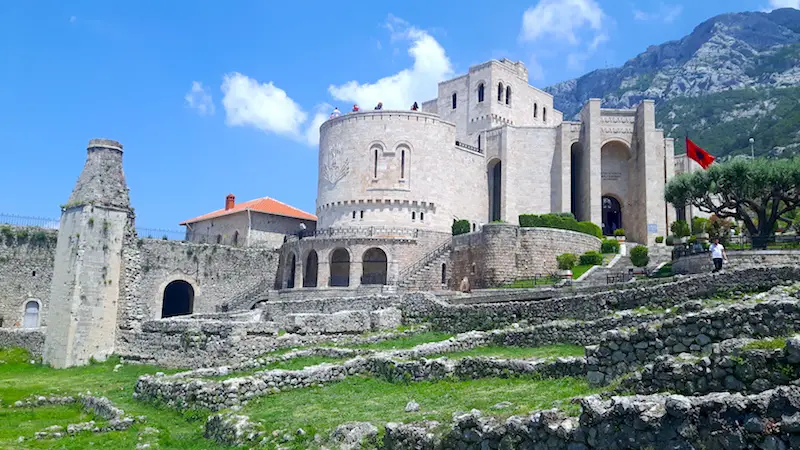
(735,76)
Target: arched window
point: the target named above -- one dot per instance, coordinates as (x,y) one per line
(544,114)
(178,299)
(374,265)
(402,164)
(479,142)
(375,165)
(500,92)
(413,215)
(473,227)
(508,95)
(535,110)
(310,270)
(480,92)
(421,216)
(339,268)
(291,269)
(455,97)
(30,319)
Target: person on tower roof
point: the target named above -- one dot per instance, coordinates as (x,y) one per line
(379,106)
(415,107)
(355,107)
(336,113)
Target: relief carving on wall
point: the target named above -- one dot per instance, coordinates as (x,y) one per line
(618,130)
(335,167)
(617,119)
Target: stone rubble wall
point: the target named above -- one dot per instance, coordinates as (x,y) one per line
(459,318)
(769,420)
(278,310)
(737,259)
(26,270)
(620,351)
(730,367)
(217,395)
(31,339)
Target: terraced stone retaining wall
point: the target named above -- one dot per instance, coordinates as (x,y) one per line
(620,351)
(769,420)
(731,366)
(737,259)
(459,318)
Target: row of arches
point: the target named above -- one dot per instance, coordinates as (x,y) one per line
(374,264)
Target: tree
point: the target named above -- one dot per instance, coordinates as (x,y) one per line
(758,193)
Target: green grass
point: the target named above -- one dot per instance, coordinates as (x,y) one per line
(532,283)
(19,379)
(404,342)
(577,271)
(321,409)
(546,351)
(766,344)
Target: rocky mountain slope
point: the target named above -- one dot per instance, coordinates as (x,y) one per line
(735,76)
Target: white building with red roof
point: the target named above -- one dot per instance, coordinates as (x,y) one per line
(263,222)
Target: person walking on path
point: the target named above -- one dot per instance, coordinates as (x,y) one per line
(718,254)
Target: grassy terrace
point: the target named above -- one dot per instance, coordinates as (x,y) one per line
(321,409)
(403,342)
(547,351)
(20,379)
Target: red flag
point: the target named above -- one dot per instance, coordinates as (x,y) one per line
(698,154)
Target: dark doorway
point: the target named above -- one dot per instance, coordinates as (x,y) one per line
(375,267)
(495,190)
(612,215)
(575,179)
(340,268)
(310,270)
(292,271)
(178,299)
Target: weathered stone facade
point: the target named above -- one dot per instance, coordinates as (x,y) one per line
(26,270)
(500,253)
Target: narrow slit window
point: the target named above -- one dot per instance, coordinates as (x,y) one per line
(402,164)
(500,92)
(354,214)
(508,95)
(413,215)
(535,110)
(375,165)
(362,214)
(421,216)
(544,114)
(455,100)
(481,90)
(479,142)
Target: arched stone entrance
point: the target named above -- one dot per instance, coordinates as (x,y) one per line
(291,271)
(30,317)
(310,270)
(612,215)
(340,268)
(495,172)
(178,299)
(375,266)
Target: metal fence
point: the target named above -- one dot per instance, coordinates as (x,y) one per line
(741,242)
(28,221)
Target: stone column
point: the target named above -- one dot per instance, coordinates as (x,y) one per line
(84,294)
(356,269)
(590,198)
(323,273)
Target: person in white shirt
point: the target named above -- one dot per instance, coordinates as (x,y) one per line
(718,254)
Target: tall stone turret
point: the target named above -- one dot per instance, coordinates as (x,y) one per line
(84,294)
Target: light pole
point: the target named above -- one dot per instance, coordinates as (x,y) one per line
(752,151)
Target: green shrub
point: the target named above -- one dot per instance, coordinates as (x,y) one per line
(619,232)
(566,261)
(671,240)
(591,258)
(609,246)
(639,256)
(693,239)
(659,239)
(460,227)
(720,228)
(680,228)
(699,225)
(562,221)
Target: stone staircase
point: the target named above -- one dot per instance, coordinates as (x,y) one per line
(599,275)
(426,274)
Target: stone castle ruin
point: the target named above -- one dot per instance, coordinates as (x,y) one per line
(380,254)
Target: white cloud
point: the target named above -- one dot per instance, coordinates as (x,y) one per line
(777,4)
(560,19)
(198,99)
(665,13)
(321,114)
(415,84)
(261,105)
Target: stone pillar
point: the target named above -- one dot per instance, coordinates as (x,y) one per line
(84,293)
(669,161)
(356,269)
(323,272)
(590,197)
(650,167)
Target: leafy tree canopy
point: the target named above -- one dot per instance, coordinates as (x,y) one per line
(758,193)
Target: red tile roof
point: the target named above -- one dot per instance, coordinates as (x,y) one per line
(264,205)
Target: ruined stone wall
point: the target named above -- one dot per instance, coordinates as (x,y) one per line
(499,253)
(737,259)
(217,273)
(26,269)
(29,339)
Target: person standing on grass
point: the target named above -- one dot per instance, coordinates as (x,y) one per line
(718,254)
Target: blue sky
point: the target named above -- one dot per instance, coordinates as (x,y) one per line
(211,98)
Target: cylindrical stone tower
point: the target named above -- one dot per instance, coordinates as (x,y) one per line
(84,293)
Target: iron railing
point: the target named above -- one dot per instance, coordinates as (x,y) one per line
(468,147)
(741,242)
(358,232)
(27,221)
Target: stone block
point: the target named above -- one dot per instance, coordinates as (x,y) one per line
(386,319)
